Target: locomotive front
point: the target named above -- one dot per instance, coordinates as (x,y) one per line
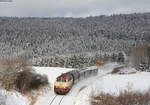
(63,84)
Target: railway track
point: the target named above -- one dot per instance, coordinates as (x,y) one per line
(57,100)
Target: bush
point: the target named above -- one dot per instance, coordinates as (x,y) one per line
(125,98)
(17,74)
(9,70)
(29,80)
(116,69)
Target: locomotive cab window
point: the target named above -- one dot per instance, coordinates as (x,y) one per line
(61,80)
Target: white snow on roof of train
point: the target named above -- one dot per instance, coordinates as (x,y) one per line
(88,68)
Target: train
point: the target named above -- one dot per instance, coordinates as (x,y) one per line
(65,81)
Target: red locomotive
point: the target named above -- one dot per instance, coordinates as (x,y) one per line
(64,82)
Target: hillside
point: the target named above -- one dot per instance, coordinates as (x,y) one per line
(38,37)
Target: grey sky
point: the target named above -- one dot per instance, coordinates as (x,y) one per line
(71,8)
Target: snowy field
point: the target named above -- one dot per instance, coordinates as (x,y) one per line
(81,92)
(113,84)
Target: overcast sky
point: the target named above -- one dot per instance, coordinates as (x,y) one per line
(71,8)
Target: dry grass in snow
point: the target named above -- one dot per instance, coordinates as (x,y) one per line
(124,98)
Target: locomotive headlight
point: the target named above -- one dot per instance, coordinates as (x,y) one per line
(62,87)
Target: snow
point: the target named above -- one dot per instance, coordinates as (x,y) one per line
(15,98)
(70,98)
(113,84)
(83,98)
(81,92)
(135,82)
(127,70)
(12,98)
(51,72)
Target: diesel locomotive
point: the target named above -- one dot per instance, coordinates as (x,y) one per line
(64,82)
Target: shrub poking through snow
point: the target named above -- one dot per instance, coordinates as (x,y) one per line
(124,98)
(29,80)
(117,69)
(17,74)
(9,70)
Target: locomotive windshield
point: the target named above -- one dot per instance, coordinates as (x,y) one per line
(61,80)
